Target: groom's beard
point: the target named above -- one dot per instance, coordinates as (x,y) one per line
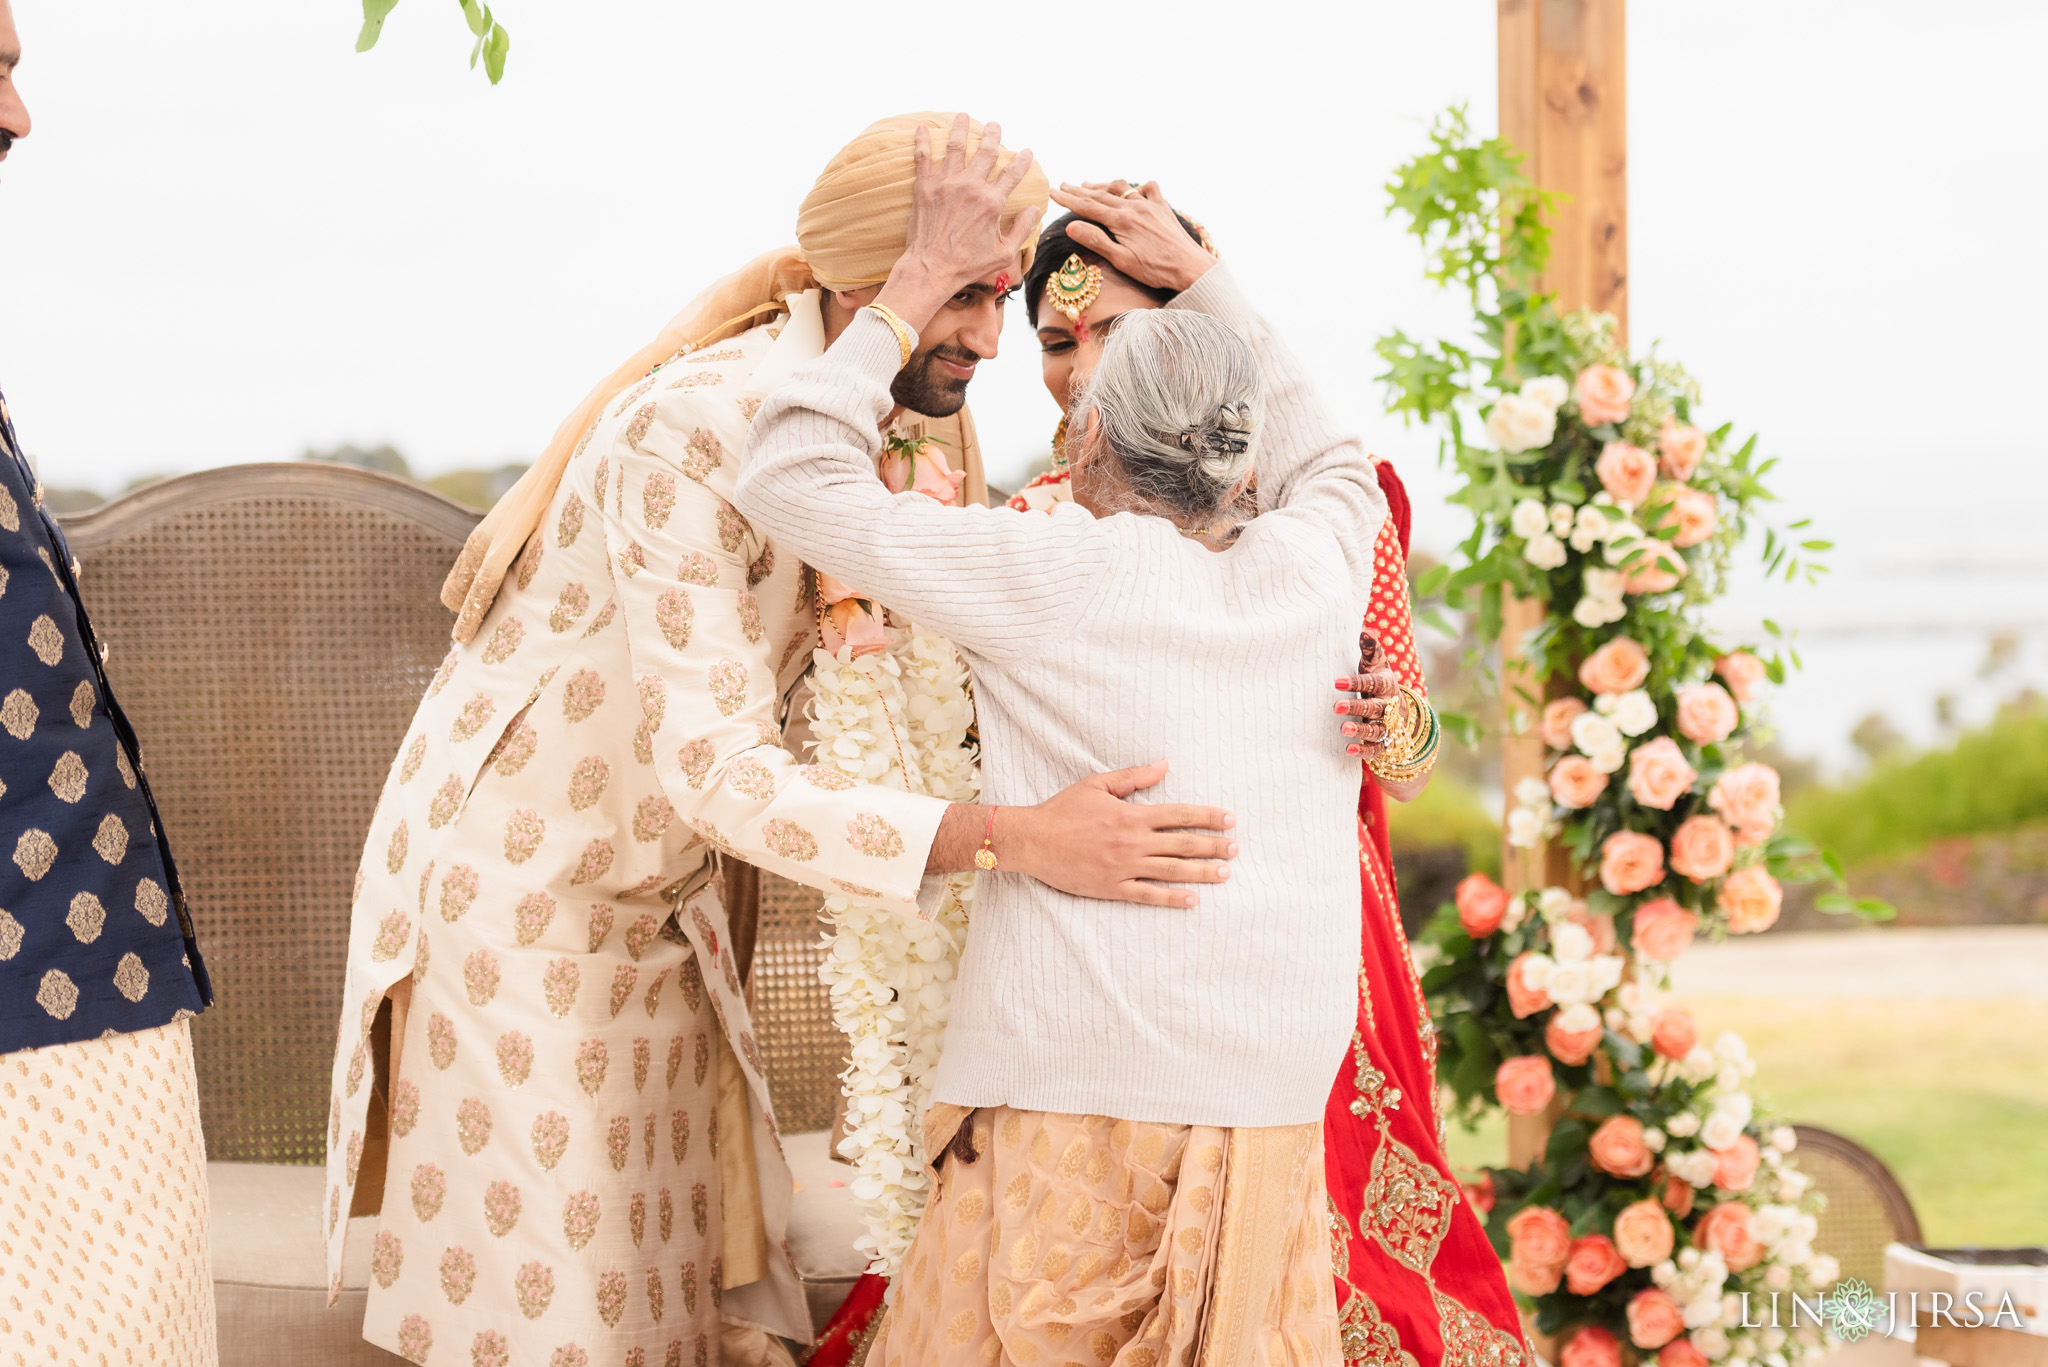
(922,388)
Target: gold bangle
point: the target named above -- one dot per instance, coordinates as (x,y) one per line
(900,328)
(1410,751)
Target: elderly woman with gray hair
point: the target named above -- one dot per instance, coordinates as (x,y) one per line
(1129,1103)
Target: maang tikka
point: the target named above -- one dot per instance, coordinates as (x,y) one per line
(1073,287)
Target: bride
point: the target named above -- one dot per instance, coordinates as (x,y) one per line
(1417,1281)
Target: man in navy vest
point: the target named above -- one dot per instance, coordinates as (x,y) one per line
(103,1182)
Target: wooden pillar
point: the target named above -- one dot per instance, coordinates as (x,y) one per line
(1563,105)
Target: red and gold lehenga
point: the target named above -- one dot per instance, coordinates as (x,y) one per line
(1418,1284)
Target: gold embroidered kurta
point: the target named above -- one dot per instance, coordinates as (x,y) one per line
(541,864)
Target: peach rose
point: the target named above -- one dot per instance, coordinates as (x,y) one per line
(1481,905)
(1630,862)
(1694,513)
(1747,798)
(1524,1085)
(1706,714)
(1681,1353)
(924,473)
(1735,1166)
(1604,394)
(1599,928)
(847,623)
(1617,1147)
(833,589)
(1744,673)
(1678,1196)
(1592,1346)
(1571,1047)
(1663,929)
(1539,1241)
(1750,898)
(1642,1233)
(1702,848)
(1626,472)
(1574,782)
(1673,1032)
(1524,1000)
(1658,774)
(1592,1264)
(1729,1229)
(1654,1319)
(1479,1194)
(1557,721)
(1654,567)
(1679,449)
(1615,667)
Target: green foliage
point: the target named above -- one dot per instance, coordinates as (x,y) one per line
(1992,779)
(492,41)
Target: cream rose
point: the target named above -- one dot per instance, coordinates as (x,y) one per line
(1702,848)
(1658,774)
(1654,1319)
(1617,1148)
(1630,862)
(1747,798)
(1549,390)
(1519,424)
(1744,673)
(1642,1233)
(1604,394)
(1706,714)
(1633,712)
(1524,1084)
(1558,714)
(1544,551)
(1615,667)
(1528,518)
(1679,450)
(1750,898)
(1627,472)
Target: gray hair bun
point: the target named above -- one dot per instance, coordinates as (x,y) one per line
(1179,400)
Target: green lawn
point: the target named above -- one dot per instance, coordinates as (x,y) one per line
(1952,1094)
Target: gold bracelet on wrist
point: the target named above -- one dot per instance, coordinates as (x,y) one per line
(904,339)
(1412,740)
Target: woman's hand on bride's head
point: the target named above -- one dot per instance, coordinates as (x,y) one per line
(956,236)
(1149,245)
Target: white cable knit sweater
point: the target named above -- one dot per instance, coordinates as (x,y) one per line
(1098,644)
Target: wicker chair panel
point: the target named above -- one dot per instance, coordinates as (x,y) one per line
(1866,1206)
(792,1009)
(269,631)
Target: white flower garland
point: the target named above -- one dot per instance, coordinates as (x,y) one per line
(892,975)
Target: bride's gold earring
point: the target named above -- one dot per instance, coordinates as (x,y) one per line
(1059,444)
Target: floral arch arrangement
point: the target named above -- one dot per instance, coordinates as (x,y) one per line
(1665,1190)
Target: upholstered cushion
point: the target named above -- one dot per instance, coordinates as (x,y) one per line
(269,1274)
(822,1224)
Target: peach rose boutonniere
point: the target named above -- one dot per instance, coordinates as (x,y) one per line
(1604,393)
(849,619)
(915,464)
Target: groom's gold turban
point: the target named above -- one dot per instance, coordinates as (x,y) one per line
(854,223)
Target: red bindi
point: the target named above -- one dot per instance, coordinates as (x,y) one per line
(1081,329)
(1002,281)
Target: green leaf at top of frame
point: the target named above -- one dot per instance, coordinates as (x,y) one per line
(495,48)
(478,17)
(375,12)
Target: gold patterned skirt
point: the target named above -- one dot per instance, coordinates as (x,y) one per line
(103,1220)
(1086,1239)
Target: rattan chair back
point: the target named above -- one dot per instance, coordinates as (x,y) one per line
(270,629)
(1866,1207)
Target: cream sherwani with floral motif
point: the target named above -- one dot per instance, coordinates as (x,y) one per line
(542,864)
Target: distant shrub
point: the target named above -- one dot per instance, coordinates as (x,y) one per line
(1992,779)
(1448,815)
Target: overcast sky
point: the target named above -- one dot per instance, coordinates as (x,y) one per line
(230,237)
